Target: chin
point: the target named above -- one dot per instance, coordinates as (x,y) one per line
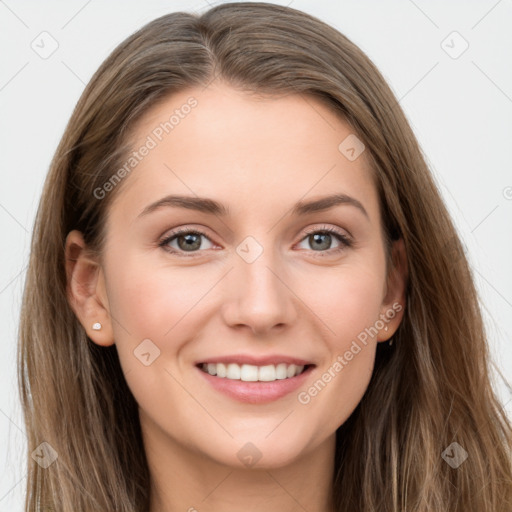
(260,453)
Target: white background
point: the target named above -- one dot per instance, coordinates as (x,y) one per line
(460,110)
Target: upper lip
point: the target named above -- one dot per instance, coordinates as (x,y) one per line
(241,359)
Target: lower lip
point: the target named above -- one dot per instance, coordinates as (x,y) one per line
(256,392)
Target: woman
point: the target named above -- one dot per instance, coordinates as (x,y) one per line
(188,342)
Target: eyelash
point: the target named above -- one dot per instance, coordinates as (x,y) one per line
(345,241)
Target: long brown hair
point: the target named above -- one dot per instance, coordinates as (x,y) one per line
(432,388)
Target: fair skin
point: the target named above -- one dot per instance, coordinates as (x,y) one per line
(257,157)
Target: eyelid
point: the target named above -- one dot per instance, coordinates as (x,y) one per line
(170,236)
(346,240)
(329,229)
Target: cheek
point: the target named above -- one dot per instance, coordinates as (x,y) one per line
(149,301)
(348,300)
(350,307)
(156,311)
(348,303)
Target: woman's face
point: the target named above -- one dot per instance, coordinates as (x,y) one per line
(264,285)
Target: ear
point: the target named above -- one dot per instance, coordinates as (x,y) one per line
(393,304)
(86,290)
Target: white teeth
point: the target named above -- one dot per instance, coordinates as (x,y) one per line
(221,370)
(267,373)
(290,372)
(281,372)
(298,370)
(251,373)
(233,372)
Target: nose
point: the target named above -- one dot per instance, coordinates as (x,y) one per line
(258,298)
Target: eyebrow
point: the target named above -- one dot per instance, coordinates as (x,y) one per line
(212,207)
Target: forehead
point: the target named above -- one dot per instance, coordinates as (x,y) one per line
(255,154)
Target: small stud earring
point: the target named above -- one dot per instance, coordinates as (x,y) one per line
(386,328)
(96,326)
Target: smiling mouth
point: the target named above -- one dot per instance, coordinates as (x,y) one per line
(252,373)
